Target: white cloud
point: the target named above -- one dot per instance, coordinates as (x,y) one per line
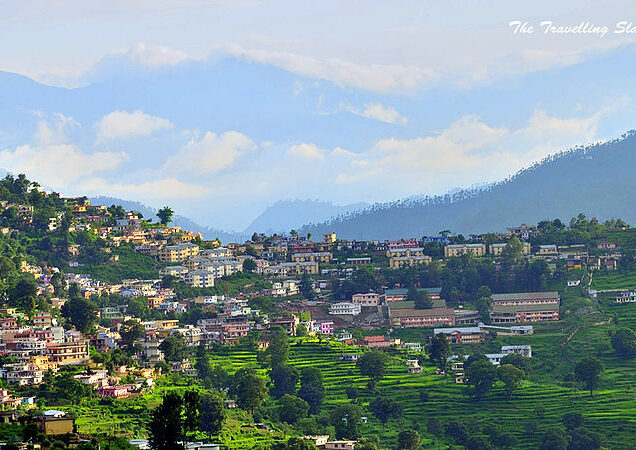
(375,77)
(310,151)
(153,190)
(156,55)
(51,160)
(377,111)
(211,153)
(469,151)
(58,165)
(123,124)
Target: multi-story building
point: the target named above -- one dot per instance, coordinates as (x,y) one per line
(66,353)
(407,261)
(178,253)
(464,249)
(345,309)
(370,299)
(292,268)
(498,249)
(320,257)
(523,232)
(465,335)
(421,317)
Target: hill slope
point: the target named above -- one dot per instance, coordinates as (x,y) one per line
(284,215)
(597,181)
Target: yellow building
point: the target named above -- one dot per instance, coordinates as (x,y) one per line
(178,253)
(498,249)
(463,249)
(330,238)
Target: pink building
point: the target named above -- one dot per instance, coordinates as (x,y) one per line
(326,327)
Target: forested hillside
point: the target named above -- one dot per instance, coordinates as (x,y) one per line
(596,180)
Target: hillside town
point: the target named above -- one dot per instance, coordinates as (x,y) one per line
(77,321)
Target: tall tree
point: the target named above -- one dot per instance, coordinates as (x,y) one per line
(481,375)
(166,424)
(311,388)
(385,408)
(173,347)
(372,365)
(284,379)
(439,350)
(212,413)
(409,440)
(81,312)
(278,350)
(165,215)
(511,377)
(306,288)
(249,389)
(191,414)
(588,371)
(624,341)
(131,331)
(292,408)
(346,421)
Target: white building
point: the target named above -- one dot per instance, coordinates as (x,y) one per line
(345,309)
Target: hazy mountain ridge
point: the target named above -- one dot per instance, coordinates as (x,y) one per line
(596,180)
(178,220)
(285,215)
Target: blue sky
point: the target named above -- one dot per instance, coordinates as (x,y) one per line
(220,108)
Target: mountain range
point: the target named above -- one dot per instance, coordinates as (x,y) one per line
(596,180)
(285,215)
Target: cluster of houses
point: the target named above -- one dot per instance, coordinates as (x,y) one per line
(37,347)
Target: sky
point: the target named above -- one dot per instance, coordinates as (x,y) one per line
(220,108)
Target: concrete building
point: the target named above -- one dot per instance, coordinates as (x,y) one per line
(345,309)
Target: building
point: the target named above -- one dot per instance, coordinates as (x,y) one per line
(523,232)
(359,261)
(199,278)
(462,335)
(523,350)
(526,298)
(498,249)
(548,250)
(606,245)
(345,309)
(625,297)
(406,257)
(54,423)
(464,249)
(400,295)
(330,238)
(524,313)
(371,299)
(175,271)
(320,257)
(407,318)
(292,268)
(66,353)
(178,253)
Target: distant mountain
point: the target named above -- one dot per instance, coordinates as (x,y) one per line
(181,221)
(597,180)
(285,215)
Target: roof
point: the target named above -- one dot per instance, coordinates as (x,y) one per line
(411,305)
(459,330)
(515,347)
(404,291)
(423,312)
(524,308)
(525,296)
